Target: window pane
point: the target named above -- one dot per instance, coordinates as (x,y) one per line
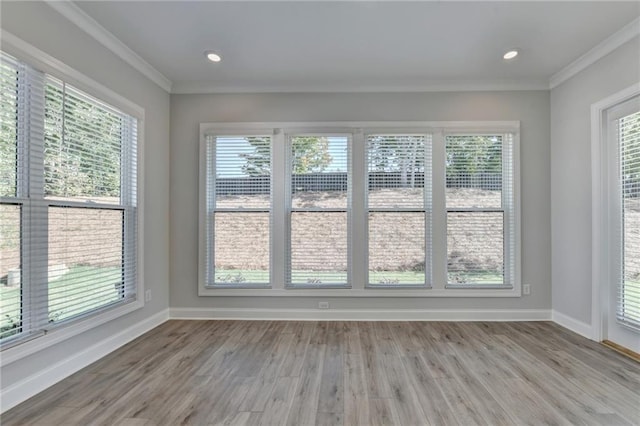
(241,248)
(475,248)
(630,171)
(8,126)
(396,171)
(474,171)
(243,172)
(83,146)
(85,268)
(396,248)
(319,169)
(10,271)
(319,253)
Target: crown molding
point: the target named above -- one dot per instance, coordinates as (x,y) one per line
(602,49)
(204,87)
(72,12)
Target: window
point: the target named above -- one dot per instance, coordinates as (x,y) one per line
(480,210)
(397,209)
(319,203)
(627,130)
(399,204)
(68,209)
(239,206)
(11,208)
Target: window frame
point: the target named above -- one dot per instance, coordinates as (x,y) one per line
(358,231)
(207,209)
(426,211)
(288,136)
(15,349)
(509,236)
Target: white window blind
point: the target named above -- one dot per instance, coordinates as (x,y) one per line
(11,155)
(239,211)
(318,211)
(399,210)
(480,211)
(628,136)
(69,212)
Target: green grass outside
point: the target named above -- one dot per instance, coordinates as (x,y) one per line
(74,293)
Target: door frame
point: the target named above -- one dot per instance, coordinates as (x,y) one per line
(600,253)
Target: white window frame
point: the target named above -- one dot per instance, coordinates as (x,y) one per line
(358,230)
(427,210)
(288,135)
(208,209)
(36,58)
(507,208)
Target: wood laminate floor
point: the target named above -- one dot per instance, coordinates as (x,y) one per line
(351,373)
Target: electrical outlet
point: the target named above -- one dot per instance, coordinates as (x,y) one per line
(147,296)
(526,289)
(323,305)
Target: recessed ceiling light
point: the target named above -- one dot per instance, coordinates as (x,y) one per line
(213,57)
(511,54)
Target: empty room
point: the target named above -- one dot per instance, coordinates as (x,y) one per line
(319,213)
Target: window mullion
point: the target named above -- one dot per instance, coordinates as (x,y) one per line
(428,213)
(358,214)
(439,213)
(210,206)
(507,208)
(279,210)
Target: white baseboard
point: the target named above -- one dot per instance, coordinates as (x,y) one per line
(582,328)
(362,314)
(30,386)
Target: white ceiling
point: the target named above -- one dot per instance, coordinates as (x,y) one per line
(298,46)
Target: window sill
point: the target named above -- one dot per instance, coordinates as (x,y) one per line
(31,346)
(369,292)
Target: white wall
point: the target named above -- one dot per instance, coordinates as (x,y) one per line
(571,174)
(41,26)
(530,107)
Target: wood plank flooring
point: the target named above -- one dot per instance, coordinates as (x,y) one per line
(346,373)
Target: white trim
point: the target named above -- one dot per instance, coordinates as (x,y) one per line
(52,374)
(582,328)
(366,292)
(103,36)
(370,126)
(361,314)
(207,87)
(599,203)
(44,62)
(599,51)
(63,333)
